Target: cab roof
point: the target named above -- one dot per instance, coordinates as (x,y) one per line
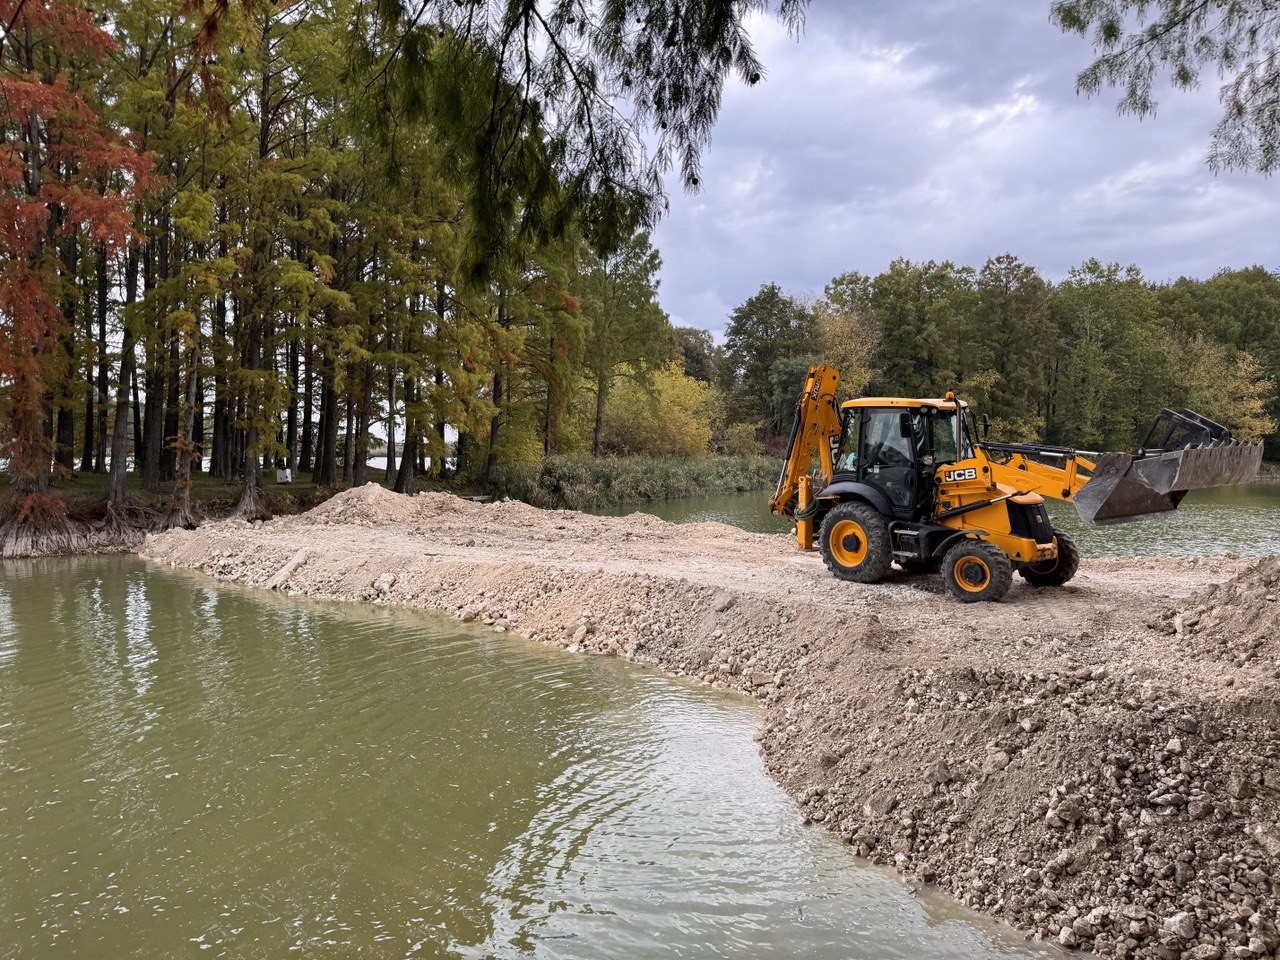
(903,402)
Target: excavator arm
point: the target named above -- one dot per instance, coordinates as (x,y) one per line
(815,432)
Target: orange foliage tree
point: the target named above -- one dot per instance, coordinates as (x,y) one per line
(64,175)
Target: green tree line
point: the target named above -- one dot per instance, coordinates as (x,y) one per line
(260,235)
(1085,362)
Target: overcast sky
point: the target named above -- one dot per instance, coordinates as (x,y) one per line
(947,129)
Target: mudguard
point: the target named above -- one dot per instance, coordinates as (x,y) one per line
(842,490)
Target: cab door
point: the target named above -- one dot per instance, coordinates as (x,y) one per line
(887,460)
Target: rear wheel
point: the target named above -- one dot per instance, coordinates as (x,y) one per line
(1055,572)
(855,543)
(975,570)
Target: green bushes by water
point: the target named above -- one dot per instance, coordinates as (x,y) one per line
(582,483)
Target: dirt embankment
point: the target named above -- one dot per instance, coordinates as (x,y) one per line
(1099,765)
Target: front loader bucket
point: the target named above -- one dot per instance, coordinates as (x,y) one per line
(1126,486)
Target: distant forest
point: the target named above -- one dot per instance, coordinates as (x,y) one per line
(1085,362)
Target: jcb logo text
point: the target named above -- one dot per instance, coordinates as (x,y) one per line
(952,476)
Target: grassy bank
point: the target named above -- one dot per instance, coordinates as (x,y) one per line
(581,483)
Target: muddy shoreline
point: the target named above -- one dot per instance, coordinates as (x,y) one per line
(1098,765)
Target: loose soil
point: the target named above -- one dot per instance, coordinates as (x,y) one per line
(1097,764)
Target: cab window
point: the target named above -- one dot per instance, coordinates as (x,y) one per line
(944,438)
(847,454)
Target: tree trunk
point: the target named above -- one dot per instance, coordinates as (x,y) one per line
(90,398)
(326,468)
(104,379)
(405,481)
(180,513)
(291,422)
(251,505)
(390,472)
(65,439)
(117,480)
(359,475)
(597,443)
(137,417)
(348,453)
(173,402)
(491,464)
(308,379)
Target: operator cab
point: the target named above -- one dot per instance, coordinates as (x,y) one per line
(896,446)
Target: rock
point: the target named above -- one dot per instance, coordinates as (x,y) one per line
(881,804)
(1267,836)
(1174,745)
(1068,810)
(1199,809)
(997,760)
(722,601)
(939,773)
(1068,937)
(1205,951)
(1182,925)
(1238,788)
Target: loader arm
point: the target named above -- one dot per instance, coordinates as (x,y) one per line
(1012,465)
(1190,452)
(816,430)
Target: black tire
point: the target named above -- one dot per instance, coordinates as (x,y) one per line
(1055,572)
(932,565)
(975,570)
(854,541)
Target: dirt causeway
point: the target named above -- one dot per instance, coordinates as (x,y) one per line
(1098,765)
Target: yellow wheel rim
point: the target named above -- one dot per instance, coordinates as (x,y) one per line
(972,574)
(848,543)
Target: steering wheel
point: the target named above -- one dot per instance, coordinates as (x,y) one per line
(893,457)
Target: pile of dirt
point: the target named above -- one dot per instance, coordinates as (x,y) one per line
(1237,621)
(1059,760)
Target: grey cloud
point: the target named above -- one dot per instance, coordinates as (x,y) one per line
(946,131)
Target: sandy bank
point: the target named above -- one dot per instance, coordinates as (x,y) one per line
(1098,765)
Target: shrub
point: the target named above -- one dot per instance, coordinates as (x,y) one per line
(581,483)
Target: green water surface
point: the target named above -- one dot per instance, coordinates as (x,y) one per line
(193,770)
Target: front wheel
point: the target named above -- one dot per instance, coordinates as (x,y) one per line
(1055,572)
(855,543)
(975,570)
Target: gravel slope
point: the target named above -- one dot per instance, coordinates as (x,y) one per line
(1098,764)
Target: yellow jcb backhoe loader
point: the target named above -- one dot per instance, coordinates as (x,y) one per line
(904,481)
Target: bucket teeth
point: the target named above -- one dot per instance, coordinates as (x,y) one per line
(1126,486)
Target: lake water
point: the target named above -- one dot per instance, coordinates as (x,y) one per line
(1243,520)
(190,770)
